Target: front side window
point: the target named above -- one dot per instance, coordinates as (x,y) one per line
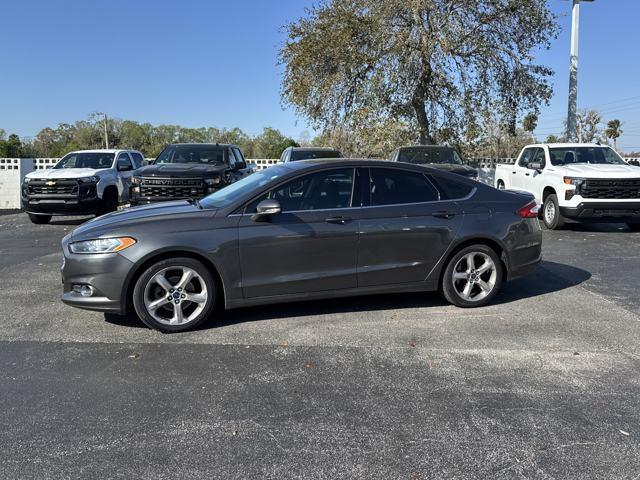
(94,160)
(392,186)
(317,191)
(138,159)
(587,154)
(527,157)
(239,156)
(200,154)
(232,158)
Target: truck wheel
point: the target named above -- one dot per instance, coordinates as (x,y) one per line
(472,277)
(109,203)
(500,185)
(175,295)
(634,227)
(551,215)
(39,219)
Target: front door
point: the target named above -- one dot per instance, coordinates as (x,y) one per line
(310,246)
(405,229)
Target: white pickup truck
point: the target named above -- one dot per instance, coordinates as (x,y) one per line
(82,182)
(584,182)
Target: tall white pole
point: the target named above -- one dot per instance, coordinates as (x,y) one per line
(106,133)
(572,134)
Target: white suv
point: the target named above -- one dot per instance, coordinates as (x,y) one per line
(585,182)
(82,182)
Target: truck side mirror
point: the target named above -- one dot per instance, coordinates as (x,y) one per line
(265,209)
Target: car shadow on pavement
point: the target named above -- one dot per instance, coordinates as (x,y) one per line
(548,278)
(587,227)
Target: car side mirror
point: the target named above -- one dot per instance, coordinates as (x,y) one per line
(535,166)
(265,209)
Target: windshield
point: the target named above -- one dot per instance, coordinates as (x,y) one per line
(202,154)
(594,155)
(311,154)
(228,195)
(94,160)
(429,155)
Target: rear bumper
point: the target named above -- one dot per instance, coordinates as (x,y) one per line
(60,206)
(603,211)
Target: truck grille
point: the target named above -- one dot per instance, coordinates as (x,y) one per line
(53,187)
(172,187)
(623,188)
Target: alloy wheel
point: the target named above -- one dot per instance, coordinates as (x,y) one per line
(175,295)
(474,276)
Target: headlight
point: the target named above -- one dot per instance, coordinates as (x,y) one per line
(574,181)
(135,180)
(102,245)
(212,181)
(26,180)
(89,179)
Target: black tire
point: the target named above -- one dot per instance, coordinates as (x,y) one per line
(109,202)
(551,215)
(634,227)
(39,219)
(453,289)
(147,290)
(500,185)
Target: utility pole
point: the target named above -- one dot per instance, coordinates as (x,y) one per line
(106,132)
(572,133)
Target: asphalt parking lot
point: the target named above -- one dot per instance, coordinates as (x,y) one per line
(545,383)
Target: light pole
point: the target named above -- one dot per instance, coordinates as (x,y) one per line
(106,133)
(573,73)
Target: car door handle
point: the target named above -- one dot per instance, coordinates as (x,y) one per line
(443,214)
(339,220)
(514,172)
(527,174)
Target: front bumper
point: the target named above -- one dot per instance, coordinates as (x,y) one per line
(603,211)
(53,205)
(105,273)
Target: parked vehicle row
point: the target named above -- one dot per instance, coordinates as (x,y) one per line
(585,182)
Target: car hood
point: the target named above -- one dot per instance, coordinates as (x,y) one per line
(459,169)
(130,219)
(65,173)
(586,170)
(180,170)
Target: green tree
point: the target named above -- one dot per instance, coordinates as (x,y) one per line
(613,131)
(433,64)
(552,139)
(270,143)
(588,126)
(529,124)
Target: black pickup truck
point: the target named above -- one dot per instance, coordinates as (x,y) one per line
(188,171)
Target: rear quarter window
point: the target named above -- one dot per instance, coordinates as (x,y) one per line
(451,189)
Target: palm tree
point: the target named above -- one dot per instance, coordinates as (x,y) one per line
(613,131)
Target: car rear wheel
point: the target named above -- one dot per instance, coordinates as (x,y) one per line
(39,219)
(551,215)
(175,295)
(473,277)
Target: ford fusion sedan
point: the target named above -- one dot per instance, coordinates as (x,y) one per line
(299,231)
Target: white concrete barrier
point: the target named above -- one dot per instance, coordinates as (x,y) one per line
(12,171)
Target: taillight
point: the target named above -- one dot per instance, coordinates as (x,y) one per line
(530,210)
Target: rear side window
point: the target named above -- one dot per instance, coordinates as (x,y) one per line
(393,186)
(451,189)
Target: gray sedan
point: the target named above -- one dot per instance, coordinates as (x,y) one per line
(304,230)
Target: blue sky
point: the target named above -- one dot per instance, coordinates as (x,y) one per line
(214,63)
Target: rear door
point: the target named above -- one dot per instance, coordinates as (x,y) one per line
(405,227)
(310,246)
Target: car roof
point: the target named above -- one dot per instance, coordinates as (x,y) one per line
(428,147)
(312,164)
(566,145)
(195,144)
(314,149)
(104,150)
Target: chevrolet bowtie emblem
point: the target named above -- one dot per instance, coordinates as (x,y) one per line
(50,183)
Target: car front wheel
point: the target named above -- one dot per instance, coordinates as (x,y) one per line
(175,295)
(473,277)
(551,215)
(39,219)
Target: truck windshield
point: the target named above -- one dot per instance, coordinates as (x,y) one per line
(94,160)
(311,154)
(593,155)
(229,194)
(429,155)
(202,154)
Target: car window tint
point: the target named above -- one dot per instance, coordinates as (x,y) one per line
(316,191)
(451,189)
(138,159)
(232,158)
(392,186)
(239,156)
